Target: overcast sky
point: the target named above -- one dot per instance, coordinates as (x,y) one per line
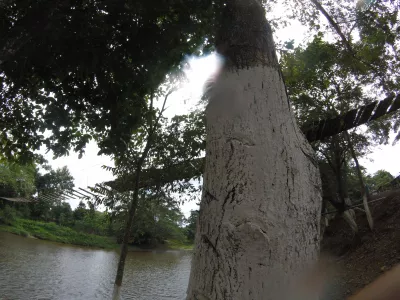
(87,171)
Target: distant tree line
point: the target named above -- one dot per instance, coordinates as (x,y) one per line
(156,221)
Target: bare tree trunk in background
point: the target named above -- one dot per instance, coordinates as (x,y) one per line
(324,219)
(261,205)
(333,23)
(133,204)
(131,214)
(347,200)
(364,193)
(338,169)
(348,215)
(124,247)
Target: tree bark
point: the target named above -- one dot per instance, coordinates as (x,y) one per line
(364,193)
(260,212)
(334,25)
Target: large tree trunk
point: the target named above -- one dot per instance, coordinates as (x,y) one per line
(261,205)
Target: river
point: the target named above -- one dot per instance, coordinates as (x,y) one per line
(35,269)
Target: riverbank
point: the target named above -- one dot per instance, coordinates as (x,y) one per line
(178,245)
(66,235)
(56,233)
(166,246)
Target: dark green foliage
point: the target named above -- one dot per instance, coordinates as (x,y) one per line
(95,222)
(372,57)
(80,211)
(49,187)
(377,50)
(353,183)
(378,45)
(41,210)
(190,229)
(178,144)
(319,82)
(55,180)
(329,182)
(16,180)
(62,213)
(321,85)
(84,69)
(53,232)
(379,179)
(8,215)
(24,210)
(157,219)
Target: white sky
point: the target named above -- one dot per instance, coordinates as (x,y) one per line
(87,171)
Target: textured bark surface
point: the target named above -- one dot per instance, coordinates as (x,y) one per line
(261,204)
(260,210)
(244,37)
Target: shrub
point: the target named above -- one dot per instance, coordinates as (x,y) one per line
(24,211)
(8,215)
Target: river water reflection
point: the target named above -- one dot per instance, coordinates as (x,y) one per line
(35,269)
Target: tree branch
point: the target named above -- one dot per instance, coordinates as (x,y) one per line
(151,110)
(345,41)
(333,24)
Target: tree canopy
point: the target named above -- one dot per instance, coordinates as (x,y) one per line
(55,180)
(73,71)
(380,178)
(16,180)
(86,69)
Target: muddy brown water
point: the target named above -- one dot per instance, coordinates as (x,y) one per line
(36,269)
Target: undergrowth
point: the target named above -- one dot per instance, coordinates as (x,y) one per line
(57,233)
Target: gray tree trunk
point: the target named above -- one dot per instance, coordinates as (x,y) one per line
(260,211)
(364,193)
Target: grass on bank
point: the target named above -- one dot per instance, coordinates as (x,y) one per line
(66,235)
(179,245)
(56,233)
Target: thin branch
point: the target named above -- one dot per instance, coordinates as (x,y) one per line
(151,110)
(345,41)
(163,106)
(333,24)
